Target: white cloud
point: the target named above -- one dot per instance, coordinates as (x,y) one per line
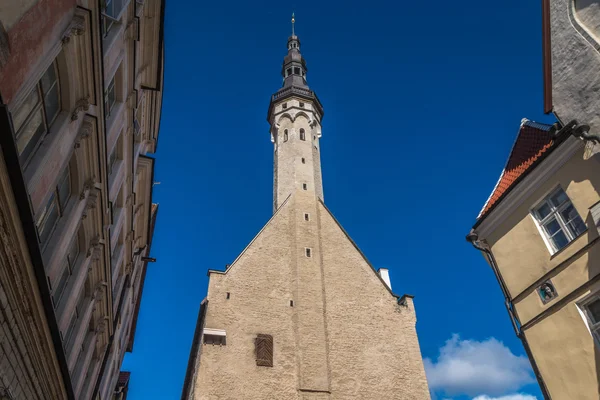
(470,367)
(518,396)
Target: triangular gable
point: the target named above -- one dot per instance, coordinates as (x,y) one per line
(533,140)
(358,249)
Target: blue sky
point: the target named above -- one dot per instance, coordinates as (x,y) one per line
(422,102)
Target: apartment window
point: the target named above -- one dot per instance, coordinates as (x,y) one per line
(591,310)
(110,97)
(302,134)
(54,208)
(32,120)
(72,254)
(114,155)
(111,13)
(558,219)
(69,336)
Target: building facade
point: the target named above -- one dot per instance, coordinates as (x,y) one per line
(301,313)
(571,48)
(538,232)
(80,100)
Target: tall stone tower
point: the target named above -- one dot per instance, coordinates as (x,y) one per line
(301,314)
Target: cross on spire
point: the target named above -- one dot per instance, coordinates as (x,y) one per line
(293,23)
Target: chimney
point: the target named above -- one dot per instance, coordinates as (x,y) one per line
(384,273)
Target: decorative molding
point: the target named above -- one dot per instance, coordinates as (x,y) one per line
(94,244)
(87,186)
(98,290)
(518,194)
(101,325)
(87,127)
(76,28)
(80,105)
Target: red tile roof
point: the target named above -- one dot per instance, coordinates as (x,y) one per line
(532,142)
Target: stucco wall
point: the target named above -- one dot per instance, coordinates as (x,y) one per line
(560,341)
(576,61)
(345,337)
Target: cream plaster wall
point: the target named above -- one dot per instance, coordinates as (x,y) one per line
(560,342)
(346,336)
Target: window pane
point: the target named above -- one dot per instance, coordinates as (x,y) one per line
(73,252)
(64,188)
(30,135)
(573,220)
(560,240)
(558,198)
(52,104)
(61,285)
(594,310)
(21,114)
(47,220)
(49,79)
(543,211)
(552,227)
(70,330)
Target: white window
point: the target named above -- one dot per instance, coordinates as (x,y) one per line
(558,219)
(112,10)
(591,310)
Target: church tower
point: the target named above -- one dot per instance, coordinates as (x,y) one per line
(300,313)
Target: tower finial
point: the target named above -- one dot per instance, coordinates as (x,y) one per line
(293,22)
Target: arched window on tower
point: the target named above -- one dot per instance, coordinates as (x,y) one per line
(302,135)
(285,135)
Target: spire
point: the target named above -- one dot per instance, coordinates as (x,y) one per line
(293,22)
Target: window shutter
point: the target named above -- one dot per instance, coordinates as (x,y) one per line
(264,350)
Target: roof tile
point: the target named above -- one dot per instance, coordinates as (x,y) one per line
(532,142)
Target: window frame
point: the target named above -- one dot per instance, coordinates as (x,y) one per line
(69,269)
(38,107)
(55,201)
(593,328)
(555,214)
(108,107)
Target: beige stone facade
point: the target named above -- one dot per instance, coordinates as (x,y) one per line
(81,92)
(541,239)
(301,314)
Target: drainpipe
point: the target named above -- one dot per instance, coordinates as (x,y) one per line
(480,245)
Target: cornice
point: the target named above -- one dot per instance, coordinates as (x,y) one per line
(528,185)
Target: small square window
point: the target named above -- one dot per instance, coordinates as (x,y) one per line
(291,303)
(228,295)
(308,252)
(304,186)
(558,220)
(303,160)
(306,217)
(284,105)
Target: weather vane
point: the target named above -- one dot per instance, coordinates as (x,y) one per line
(293,22)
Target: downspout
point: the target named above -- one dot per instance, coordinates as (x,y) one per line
(480,245)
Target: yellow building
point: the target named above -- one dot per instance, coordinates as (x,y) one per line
(539,233)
